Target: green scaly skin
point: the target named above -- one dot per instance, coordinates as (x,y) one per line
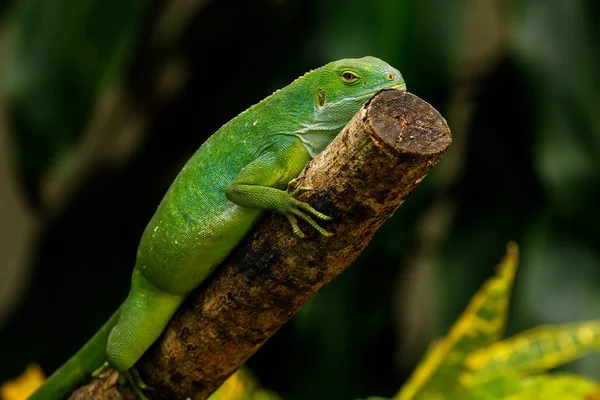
(238,173)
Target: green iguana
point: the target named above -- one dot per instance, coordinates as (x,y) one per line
(238,173)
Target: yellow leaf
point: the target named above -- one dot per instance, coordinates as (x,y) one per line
(238,387)
(243,385)
(481,324)
(20,388)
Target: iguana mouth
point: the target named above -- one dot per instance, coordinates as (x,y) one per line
(399,86)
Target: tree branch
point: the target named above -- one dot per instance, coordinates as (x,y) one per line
(360,180)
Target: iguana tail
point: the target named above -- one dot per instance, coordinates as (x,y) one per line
(78,369)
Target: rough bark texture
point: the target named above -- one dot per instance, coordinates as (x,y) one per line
(360,180)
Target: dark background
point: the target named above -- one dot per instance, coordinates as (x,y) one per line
(102,101)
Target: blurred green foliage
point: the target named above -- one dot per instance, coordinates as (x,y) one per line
(62,54)
(518,82)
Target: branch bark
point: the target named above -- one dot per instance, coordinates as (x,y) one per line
(360,180)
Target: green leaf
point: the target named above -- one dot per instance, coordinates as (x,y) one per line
(533,351)
(545,386)
(559,387)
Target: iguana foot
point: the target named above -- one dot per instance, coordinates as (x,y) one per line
(133,378)
(100,370)
(296,208)
(138,380)
(295,192)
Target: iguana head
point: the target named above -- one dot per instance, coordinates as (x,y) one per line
(358,78)
(343,86)
(338,90)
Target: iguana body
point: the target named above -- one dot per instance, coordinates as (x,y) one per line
(239,172)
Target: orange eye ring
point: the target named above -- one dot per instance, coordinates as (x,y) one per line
(390,77)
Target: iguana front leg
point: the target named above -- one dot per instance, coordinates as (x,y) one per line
(259,184)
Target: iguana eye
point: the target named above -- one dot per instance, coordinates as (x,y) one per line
(349,76)
(390,77)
